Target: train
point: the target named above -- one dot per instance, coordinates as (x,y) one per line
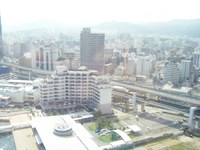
(119,88)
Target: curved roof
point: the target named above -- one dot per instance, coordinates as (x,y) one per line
(123,135)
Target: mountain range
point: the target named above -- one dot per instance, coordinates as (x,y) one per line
(175,27)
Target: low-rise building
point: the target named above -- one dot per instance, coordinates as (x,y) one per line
(4,100)
(20,91)
(60,133)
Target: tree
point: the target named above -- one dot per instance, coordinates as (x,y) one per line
(109,124)
(60,59)
(99,124)
(97,114)
(126,107)
(113,136)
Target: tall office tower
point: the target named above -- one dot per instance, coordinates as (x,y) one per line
(92,50)
(185,70)
(196,59)
(1,42)
(171,73)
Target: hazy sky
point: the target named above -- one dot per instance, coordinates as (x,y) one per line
(83,12)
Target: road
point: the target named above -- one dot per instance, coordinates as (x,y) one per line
(26,68)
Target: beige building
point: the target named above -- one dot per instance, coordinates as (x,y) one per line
(75,89)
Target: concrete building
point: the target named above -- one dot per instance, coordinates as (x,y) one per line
(196,58)
(120,70)
(72,90)
(180,91)
(92,50)
(44,57)
(1,42)
(26,60)
(20,91)
(132,61)
(19,49)
(4,100)
(145,65)
(109,68)
(108,54)
(185,70)
(172,73)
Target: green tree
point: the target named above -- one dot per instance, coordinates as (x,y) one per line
(99,124)
(60,59)
(97,114)
(113,136)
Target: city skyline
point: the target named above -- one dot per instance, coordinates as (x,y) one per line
(93,12)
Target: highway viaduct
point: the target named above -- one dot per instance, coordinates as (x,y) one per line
(138,88)
(25,72)
(193,112)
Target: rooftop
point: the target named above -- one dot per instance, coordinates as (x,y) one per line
(79,140)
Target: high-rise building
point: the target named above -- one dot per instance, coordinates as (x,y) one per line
(196,59)
(132,61)
(92,50)
(171,73)
(145,65)
(1,42)
(185,70)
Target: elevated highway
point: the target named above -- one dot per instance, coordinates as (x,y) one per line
(151,102)
(138,88)
(37,71)
(154,103)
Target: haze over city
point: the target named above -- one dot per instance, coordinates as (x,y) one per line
(79,12)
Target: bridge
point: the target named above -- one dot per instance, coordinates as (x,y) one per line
(139,88)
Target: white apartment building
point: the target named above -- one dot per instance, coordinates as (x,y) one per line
(132,66)
(71,90)
(145,65)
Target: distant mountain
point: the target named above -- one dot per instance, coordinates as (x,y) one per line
(37,25)
(175,27)
(120,26)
